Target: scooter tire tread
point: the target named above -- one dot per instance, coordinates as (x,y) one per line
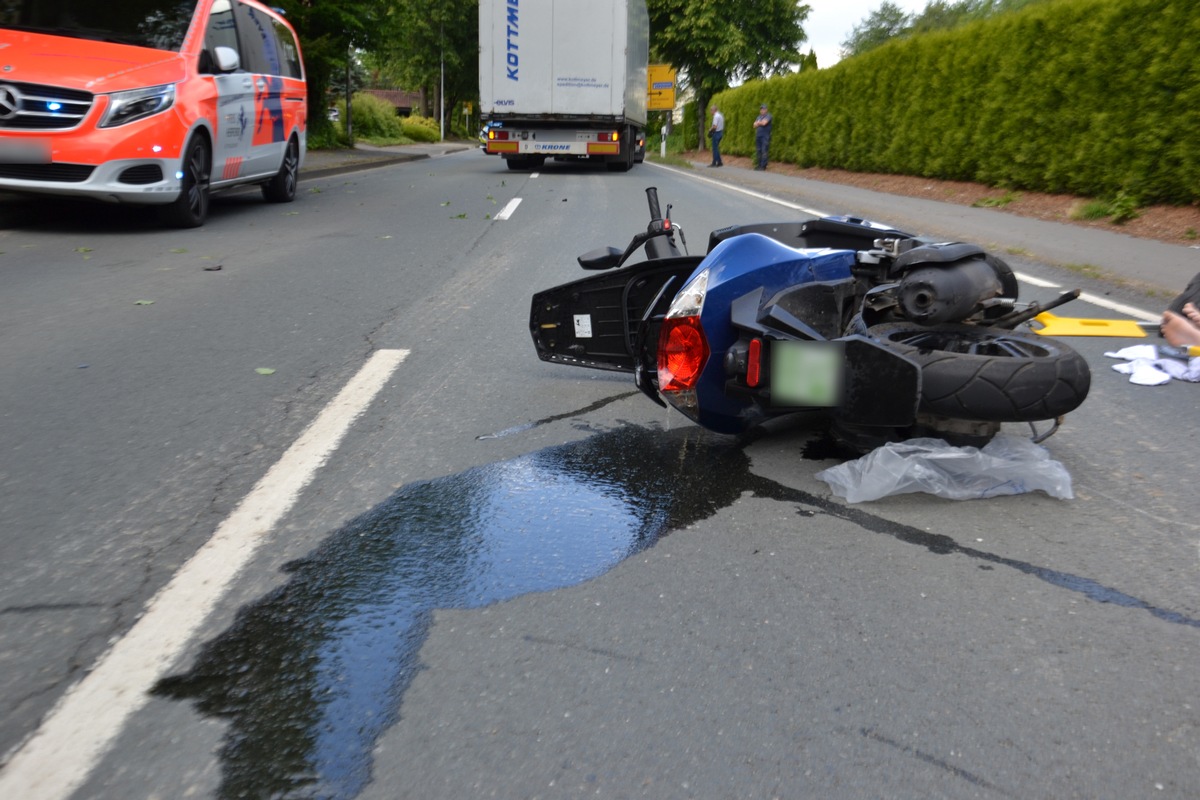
(993,387)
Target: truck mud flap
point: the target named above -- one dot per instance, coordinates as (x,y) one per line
(594,322)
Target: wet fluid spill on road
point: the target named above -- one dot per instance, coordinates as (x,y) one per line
(311,675)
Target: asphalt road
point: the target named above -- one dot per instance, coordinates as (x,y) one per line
(507,578)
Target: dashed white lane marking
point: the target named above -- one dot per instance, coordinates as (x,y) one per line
(77,733)
(508,209)
(1120,308)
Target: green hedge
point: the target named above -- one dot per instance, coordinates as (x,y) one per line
(374,118)
(1089,97)
(421,129)
(691,133)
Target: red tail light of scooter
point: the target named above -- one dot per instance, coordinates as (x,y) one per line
(682,346)
(682,353)
(754,363)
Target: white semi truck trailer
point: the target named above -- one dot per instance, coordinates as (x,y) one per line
(564,79)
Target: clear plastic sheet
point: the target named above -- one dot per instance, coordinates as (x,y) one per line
(1006,465)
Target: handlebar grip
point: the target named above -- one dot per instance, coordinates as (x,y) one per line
(652,199)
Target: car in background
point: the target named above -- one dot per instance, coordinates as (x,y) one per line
(150,102)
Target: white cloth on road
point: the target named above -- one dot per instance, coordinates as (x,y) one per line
(1145,368)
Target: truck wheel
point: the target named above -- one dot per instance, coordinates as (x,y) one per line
(190,209)
(991,374)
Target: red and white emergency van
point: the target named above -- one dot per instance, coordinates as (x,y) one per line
(151,102)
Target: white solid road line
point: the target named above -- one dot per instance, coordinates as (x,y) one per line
(740,190)
(1095,300)
(77,733)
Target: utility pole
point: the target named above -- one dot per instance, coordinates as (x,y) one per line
(349,99)
(442,87)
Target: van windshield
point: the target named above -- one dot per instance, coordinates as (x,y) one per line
(160,24)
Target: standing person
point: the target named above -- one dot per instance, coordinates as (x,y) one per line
(716,132)
(762,136)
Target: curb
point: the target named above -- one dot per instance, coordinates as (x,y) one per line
(354,163)
(325,163)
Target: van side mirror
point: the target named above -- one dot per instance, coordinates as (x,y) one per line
(227,59)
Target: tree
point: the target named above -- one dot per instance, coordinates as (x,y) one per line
(890,22)
(432,38)
(713,44)
(884,23)
(329,32)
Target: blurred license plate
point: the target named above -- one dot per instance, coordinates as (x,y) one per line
(807,373)
(24,152)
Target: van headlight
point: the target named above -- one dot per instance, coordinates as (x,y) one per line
(126,107)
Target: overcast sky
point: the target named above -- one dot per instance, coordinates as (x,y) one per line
(830,23)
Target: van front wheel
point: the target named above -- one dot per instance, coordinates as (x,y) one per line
(190,209)
(282,188)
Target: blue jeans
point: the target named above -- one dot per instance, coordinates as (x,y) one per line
(716,146)
(761,144)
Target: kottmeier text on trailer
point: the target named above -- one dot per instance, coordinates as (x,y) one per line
(564,79)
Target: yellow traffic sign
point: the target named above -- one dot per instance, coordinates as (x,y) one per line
(661,88)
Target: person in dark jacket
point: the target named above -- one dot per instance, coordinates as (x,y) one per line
(762,136)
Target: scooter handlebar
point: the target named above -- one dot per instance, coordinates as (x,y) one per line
(652,199)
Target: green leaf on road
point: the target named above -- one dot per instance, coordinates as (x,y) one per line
(265,371)
(445,204)
(179,250)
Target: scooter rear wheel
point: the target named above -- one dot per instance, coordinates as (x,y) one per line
(990,374)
